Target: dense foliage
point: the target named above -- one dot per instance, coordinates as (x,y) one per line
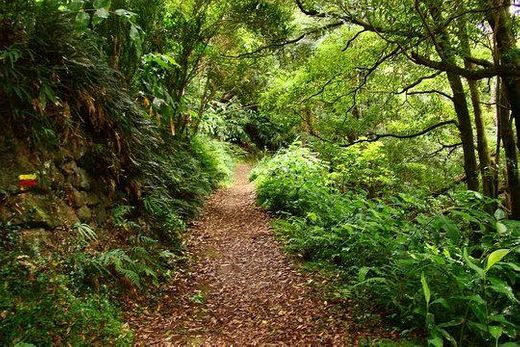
(443,263)
(394,126)
(67,103)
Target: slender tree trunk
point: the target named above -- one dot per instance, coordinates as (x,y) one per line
(442,45)
(466,131)
(508,140)
(487,170)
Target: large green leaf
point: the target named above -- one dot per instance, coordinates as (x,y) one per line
(502,287)
(124,13)
(82,18)
(501,228)
(75,5)
(495,257)
(470,263)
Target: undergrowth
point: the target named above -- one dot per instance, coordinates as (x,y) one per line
(68,294)
(59,94)
(441,265)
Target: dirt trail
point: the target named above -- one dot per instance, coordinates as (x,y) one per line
(240,288)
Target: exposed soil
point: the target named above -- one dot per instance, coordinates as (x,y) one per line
(239,287)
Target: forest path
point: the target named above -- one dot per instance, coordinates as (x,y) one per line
(240,288)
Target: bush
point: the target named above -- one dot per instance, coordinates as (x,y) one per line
(38,306)
(296,182)
(443,265)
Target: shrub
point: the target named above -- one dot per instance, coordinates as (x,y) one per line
(295,181)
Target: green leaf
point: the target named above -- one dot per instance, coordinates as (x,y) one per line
(501,228)
(99,16)
(500,214)
(105,4)
(426,289)
(452,230)
(495,257)
(134,34)
(313,217)
(75,5)
(435,341)
(443,302)
(448,336)
(496,331)
(362,274)
(452,323)
(502,287)
(125,13)
(513,266)
(82,18)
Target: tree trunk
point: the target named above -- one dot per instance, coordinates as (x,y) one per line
(466,131)
(499,17)
(487,170)
(508,141)
(445,52)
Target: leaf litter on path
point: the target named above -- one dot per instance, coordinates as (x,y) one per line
(240,288)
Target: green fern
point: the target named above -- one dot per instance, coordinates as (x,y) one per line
(85,232)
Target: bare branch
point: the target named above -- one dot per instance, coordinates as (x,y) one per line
(469,74)
(419,81)
(377,137)
(349,42)
(286,42)
(432,91)
(321,91)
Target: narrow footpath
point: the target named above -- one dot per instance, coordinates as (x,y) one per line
(239,287)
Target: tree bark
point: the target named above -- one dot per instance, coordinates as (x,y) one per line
(487,170)
(466,132)
(508,141)
(445,52)
(499,17)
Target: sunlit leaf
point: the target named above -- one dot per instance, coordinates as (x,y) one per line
(495,257)
(426,289)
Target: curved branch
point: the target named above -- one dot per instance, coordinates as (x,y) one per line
(349,42)
(432,91)
(419,81)
(286,42)
(377,137)
(310,12)
(482,73)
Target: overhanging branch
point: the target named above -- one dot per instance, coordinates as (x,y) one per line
(377,137)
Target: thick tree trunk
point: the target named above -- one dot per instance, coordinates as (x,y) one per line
(500,19)
(508,141)
(487,168)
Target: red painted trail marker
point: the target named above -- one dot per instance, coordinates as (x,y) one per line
(27,181)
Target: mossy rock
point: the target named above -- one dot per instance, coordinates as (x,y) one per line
(40,211)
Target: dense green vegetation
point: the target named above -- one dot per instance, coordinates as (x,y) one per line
(115,186)
(398,250)
(400,179)
(390,134)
